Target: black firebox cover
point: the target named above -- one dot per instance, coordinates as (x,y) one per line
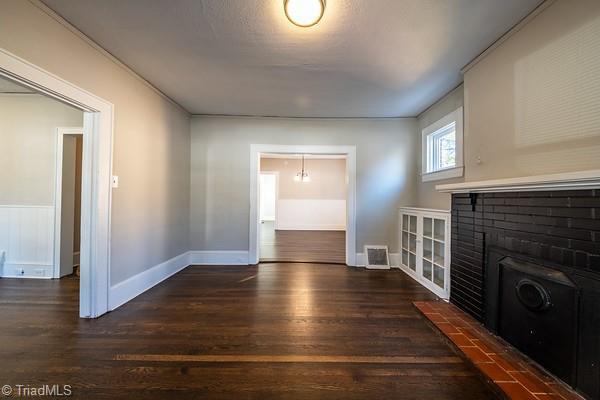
(538,314)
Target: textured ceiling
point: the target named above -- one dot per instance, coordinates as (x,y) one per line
(366,58)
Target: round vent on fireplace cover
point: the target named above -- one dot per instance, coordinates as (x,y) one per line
(533,295)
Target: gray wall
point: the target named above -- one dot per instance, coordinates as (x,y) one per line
(545,76)
(220,178)
(150,209)
(28,125)
(427,196)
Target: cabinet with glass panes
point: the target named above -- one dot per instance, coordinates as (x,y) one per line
(425,247)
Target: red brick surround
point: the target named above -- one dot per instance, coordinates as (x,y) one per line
(511,372)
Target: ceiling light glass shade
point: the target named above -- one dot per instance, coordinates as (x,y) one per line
(304,13)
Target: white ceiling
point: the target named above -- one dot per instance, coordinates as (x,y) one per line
(366,58)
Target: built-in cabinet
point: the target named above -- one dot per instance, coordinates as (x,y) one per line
(425,248)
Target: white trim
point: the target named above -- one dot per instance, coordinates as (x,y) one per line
(424,210)
(96,172)
(443,174)
(130,288)
(29,269)
(311,227)
(349,151)
(564,181)
(221,257)
(456,117)
(306,156)
(60,132)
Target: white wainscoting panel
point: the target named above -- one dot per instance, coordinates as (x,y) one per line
(27,239)
(311,214)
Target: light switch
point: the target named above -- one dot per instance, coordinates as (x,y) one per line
(115,181)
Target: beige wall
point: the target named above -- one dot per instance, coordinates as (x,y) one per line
(538,76)
(150,209)
(386,172)
(28,125)
(531,106)
(327,178)
(427,196)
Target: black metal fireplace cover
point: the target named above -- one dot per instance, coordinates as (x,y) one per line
(587,321)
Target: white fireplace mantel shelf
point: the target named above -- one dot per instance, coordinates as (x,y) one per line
(565,181)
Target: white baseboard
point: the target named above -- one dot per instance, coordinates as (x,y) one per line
(394,260)
(130,288)
(221,257)
(29,270)
(311,227)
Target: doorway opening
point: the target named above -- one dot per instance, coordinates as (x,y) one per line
(96,118)
(303,204)
(67,228)
(302,208)
(40,200)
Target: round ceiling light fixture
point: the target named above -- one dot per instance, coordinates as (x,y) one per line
(304,13)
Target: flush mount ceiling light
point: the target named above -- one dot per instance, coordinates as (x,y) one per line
(304,13)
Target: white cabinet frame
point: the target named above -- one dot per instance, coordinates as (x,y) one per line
(420,214)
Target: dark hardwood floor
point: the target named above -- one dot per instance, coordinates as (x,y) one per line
(273,331)
(301,246)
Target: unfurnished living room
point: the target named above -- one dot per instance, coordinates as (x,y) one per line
(300,199)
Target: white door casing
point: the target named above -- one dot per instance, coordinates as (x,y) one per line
(349,151)
(96,176)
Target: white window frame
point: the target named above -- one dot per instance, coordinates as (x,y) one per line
(455,117)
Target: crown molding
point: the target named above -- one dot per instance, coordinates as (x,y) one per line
(564,181)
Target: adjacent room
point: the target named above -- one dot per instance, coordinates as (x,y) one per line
(300,199)
(40,201)
(303,208)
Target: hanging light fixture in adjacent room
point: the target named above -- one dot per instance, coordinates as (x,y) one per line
(304,13)
(302,175)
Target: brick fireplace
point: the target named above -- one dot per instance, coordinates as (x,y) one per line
(527,265)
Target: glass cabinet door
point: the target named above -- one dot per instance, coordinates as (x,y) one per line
(425,251)
(409,241)
(439,252)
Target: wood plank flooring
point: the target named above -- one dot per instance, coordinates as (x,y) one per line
(273,331)
(301,246)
